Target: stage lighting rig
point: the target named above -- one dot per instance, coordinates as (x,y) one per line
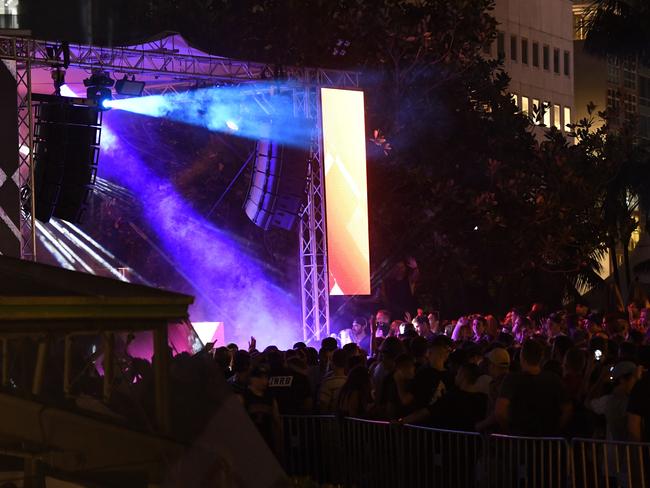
(98,88)
(129,88)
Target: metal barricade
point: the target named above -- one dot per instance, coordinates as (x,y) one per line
(442,458)
(373,454)
(610,464)
(312,447)
(530,462)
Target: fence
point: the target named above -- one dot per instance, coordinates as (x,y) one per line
(364,453)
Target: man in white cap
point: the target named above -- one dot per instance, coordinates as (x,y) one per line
(498,363)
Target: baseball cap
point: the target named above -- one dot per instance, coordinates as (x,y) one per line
(622,369)
(499,356)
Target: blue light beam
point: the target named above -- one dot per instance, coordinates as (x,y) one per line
(255,111)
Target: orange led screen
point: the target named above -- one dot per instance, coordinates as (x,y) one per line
(346,192)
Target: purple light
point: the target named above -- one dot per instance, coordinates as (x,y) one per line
(229,284)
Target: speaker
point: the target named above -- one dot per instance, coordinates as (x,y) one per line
(277,190)
(66,153)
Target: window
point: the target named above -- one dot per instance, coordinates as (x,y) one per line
(556,117)
(524,105)
(629,74)
(524,51)
(644,91)
(644,127)
(567,63)
(515,99)
(567,118)
(556,61)
(501,45)
(613,99)
(547,60)
(536,111)
(547,113)
(613,70)
(513,48)
(629,104)
(536,54)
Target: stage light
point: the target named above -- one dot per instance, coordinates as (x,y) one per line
(98,88)
(232,125)
(105,103)
(129,88)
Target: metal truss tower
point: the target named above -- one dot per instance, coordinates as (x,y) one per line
(176,70)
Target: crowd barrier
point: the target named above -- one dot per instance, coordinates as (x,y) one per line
(362,453)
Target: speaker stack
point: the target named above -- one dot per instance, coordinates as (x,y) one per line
(277,190)
(66,153)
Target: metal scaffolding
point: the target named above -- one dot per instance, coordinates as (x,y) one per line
(177,67)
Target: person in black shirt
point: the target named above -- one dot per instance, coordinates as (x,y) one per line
(461,408)
(432,380)
(240,367)
(396,397)
(638,411)
(533,402)
(263,409)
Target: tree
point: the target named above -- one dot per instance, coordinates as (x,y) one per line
(619,27)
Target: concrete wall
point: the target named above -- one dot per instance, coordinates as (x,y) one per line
(545,22)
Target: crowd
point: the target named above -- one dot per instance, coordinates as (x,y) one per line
(533,373)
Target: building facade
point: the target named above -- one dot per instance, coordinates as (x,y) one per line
(535,41)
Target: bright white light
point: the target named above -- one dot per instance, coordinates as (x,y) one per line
(66,91)
(232,125)
(476,227)
(24,150)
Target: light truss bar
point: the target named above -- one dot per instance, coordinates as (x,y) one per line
(159,59)
(312,233)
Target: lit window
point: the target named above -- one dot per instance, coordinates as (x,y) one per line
(524,51)
(514,98)
(547,113)
(536,110)
(547,58)
(513,48)
(536,54)
(567,118)
(524,105)
(567,63)
(556,116)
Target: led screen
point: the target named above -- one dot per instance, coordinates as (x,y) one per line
(346,193)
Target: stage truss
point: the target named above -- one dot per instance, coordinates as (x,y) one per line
(176,71)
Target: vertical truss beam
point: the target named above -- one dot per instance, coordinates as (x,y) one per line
(26,153)
(314,278)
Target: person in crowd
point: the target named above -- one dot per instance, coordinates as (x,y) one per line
(532,402)
(390,349)
(398,290)
(614,405)
(262,408)
(332,383)
(397,398)
(479,329)
(573,373)
(432,380)
(289,384)
(358,333)
(554,326)
(643,324)
(498,365)
(638,410)
(462,330)
(460,409)
(422,327)
(522,329)
(241,365)
(354,398)
(383,324)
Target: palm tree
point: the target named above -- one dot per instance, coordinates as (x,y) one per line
(620,28)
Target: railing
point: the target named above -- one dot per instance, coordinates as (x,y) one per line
(599,463)
(364,453)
